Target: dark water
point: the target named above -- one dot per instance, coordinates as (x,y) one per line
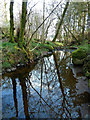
(51,88)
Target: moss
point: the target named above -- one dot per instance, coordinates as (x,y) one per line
(58,43)
(13,55)
(87,74)
(11,61)
(17,48)
(89,82)
(79,53)
(78,61)
(51,43)
(86,66)
(6,65)
(78,56)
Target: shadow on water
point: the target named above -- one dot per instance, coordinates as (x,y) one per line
(47,89)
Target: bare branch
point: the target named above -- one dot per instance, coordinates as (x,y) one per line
(43,22)
(31,9)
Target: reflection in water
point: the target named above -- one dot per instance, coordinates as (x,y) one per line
(61,87)
(44,90)
(24,93)
(14,95)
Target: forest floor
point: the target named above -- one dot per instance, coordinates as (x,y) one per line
(13,56)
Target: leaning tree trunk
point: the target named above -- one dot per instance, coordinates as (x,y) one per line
(11,39)
(61,21)
(22,24)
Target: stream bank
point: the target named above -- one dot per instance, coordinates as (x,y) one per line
(81,57)
(14,57)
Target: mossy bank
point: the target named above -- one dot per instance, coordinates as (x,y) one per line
(81,57)
(13,56)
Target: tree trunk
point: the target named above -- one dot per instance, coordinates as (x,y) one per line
(88,20)
(11,39)
(60,22)
(5,4)
(79,23)
(23,22)
(43,20)
(72,34)
(83,27)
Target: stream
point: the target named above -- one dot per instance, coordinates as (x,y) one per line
(51,88)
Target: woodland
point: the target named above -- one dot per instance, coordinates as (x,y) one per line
(44,59)
(25,38)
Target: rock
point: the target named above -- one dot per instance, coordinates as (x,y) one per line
(18,65)
(8,70)
(78,61)
(49,53)
(22,65)
(13,69)
(78,56)
(86,66)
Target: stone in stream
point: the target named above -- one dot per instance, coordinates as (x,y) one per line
(13,69)
(8,70)
(78,56)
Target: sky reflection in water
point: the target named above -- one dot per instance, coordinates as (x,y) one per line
(50,88)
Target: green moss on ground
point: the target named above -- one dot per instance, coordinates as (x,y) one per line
(13,55)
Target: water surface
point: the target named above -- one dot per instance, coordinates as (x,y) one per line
(50,88)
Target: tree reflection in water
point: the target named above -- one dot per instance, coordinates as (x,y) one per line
(48,89)
(14,95)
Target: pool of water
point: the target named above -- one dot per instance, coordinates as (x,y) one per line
(50,88)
